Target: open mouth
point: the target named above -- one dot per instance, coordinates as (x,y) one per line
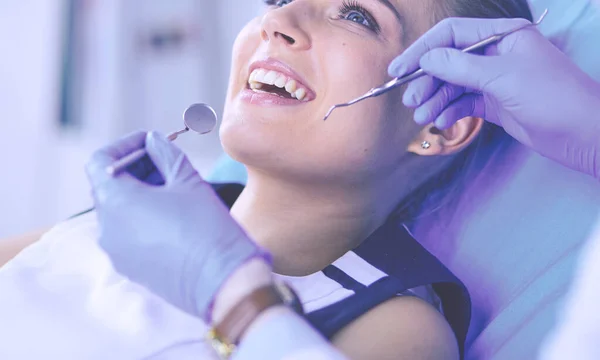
(278,84)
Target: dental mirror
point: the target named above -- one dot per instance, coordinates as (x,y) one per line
(200,118)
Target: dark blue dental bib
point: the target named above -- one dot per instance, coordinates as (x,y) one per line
(392,250)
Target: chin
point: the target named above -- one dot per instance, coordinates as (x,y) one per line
(286,160)
(257,136)
(243,142)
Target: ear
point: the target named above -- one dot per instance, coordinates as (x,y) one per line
(449,141)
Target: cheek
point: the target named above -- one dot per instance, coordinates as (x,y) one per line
(352,69)
(244,47)
(371,135)
(358,140)
(359,132)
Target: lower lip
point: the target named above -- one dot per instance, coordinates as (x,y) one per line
(266,99)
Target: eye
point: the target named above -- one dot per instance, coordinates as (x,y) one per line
(357,17)
(355,12)
(278,3)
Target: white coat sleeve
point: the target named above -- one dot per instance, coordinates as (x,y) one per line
(281,334)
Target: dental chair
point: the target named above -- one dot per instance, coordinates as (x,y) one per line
(515,234)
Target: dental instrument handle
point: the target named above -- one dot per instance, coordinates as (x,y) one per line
(496,38)
(397,82)
(485,42)
(119,166)
(175,135)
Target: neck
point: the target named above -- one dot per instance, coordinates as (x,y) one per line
(308,226)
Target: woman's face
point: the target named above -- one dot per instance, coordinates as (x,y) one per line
(299,58)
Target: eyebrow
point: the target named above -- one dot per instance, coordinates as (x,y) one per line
(393,9)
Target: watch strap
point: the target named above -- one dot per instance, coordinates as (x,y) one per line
(226,335)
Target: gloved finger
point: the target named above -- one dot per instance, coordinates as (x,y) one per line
(469,104)
(124,146)
(420,90)
(431,109)
(467,70)
(453,33)
(170,161)
(105,157)
(145,170)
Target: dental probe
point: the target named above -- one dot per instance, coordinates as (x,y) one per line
(200,118)
(394,83)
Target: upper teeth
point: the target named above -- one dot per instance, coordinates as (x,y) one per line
(260,77)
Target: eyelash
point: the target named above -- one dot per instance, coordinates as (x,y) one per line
(348,7)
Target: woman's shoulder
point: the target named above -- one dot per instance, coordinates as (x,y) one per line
(402,327)
(11,247)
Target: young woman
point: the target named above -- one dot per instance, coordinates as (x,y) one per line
(327,199)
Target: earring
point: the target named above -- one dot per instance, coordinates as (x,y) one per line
(425,144)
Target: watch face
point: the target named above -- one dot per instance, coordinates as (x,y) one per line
(221,347)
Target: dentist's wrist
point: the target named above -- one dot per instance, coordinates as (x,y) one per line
(248,295)
(249,277)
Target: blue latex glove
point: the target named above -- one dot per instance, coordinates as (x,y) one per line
(523,83)
(176,239)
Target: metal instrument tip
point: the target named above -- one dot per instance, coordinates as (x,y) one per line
(329,112)
(541,17)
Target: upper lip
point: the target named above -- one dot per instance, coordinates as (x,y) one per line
(276,65)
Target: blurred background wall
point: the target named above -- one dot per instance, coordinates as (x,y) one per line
(76,74)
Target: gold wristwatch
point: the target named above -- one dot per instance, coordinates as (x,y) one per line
(225,337)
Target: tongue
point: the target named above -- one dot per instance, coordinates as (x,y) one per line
(272,89)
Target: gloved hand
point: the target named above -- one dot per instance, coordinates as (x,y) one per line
(523,83)
(176,239)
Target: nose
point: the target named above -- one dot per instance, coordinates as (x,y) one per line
(281,27)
